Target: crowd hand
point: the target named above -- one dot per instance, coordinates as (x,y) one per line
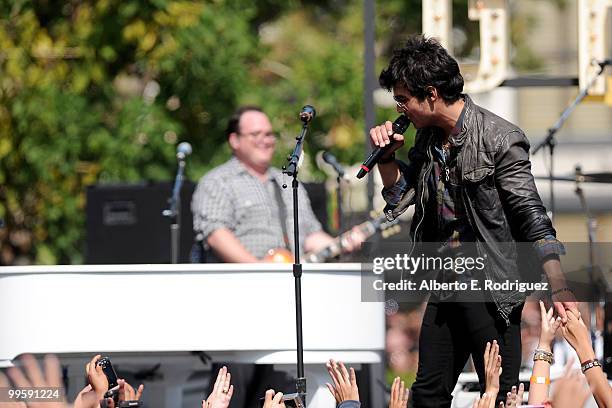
(274,400)
(399,394)
(493,369)
(345,383)
(31,376)
(548,327)
(514,398)
(86,398)
(564,301)
(127,392)
(576,333)
(381,136)
(107,403)
(571,390)
(96,377)
(486,401)
(222,391)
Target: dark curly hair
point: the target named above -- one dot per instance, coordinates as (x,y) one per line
(420,63)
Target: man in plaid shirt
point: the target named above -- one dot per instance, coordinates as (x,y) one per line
(237,207)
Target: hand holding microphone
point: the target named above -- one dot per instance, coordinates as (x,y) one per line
(387,138)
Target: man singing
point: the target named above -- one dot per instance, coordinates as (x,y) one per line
(473,184)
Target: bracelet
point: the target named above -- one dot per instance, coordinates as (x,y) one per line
(386,160)
(541,355)
(589,364)
(566,289)
(539,380)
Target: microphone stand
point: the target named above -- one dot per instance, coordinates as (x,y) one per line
(339,212)
(550,140)
(591,269)
(174,212)
(291,170)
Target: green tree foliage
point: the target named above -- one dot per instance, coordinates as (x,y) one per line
(101,91)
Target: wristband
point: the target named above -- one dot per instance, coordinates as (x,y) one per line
(541,355)
(385,160)
(539,380)
(589,364)
(548,353)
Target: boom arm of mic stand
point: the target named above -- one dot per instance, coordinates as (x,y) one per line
(549,140)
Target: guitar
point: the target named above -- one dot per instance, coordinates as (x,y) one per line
(368,228)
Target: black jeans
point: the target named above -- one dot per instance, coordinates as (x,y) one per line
(450,332)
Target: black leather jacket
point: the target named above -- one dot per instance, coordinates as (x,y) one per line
(499,195)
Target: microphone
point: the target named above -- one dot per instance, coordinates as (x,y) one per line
(308,113)
(183,150)
(399,126)
(331,159)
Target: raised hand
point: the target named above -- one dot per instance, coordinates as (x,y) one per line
(563,303)
(577,334)
(31,376)
(274,400)
(493,369)
(399,394)
(127,392)
(548,327)
(86,398)
(222,391)
(515,397)
(345,383)
(571,390)
(486,401)
(96,377)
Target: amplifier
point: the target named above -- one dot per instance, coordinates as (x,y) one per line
(125,225)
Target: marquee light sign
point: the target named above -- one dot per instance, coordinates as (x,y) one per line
(493,19)
(592,42)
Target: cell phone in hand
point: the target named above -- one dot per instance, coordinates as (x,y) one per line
(291,401)
(109,371)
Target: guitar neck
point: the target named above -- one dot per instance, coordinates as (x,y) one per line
(335,248)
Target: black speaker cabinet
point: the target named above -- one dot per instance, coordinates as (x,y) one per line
(318,201)
(124,223)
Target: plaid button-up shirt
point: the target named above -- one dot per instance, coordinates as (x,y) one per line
(230,197)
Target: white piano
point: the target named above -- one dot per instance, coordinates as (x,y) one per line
(141,315)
